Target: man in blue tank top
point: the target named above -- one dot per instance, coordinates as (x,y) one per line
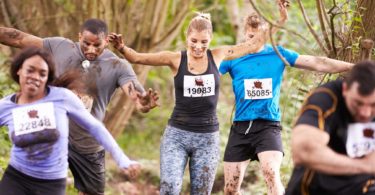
(255,132)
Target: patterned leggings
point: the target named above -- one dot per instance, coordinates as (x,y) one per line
(202,152)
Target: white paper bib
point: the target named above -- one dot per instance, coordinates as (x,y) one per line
(258,88)
(360,139)
(33,118)
(199,86)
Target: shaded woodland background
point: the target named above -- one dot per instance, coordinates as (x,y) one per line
(333,28)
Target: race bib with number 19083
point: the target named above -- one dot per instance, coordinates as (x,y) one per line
(199,86)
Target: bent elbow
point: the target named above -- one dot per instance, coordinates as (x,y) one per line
(300,151)
(297,158)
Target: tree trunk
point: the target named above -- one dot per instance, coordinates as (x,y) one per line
(147,26)
(148,31)
(360,29)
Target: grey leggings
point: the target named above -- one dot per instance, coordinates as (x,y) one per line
(202,152)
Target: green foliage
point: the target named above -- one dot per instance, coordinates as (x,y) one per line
(7,86)
(142,136)
(141,139)
(4,149)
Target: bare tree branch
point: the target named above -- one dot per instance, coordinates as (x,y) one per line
(286,63)
(274,24)
(5,13)
(312,31)
(325,15)
(322,24)
(175,27)
(159,19)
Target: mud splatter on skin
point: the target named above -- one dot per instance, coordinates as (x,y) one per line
(253,21)
(10,36)
(233,183)
(14,34)
(269,177)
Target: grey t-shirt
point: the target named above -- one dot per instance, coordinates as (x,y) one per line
(110,72)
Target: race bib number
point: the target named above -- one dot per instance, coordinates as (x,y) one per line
(258,88)
(199,86)
(33,118)
(360,141)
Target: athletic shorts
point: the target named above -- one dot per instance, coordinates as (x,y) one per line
(15,182)
(88,171)
(247,139)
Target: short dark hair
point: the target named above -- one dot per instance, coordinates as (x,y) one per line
(27,53)
(95,26)
(363,73)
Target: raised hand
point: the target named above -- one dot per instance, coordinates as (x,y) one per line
(117,41)
(283,4)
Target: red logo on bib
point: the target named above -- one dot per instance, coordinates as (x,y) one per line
(258,84)
(33,114)
(199,82)
(368,133)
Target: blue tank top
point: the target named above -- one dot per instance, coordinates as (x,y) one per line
(196,97)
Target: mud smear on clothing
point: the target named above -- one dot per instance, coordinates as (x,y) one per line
(204,180)
(39,152)
(116,63)
(44,136)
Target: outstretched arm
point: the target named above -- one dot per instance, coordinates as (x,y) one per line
(164,58)
(322,64)
(16,38)
(309,148)
(232,52)
(78,113)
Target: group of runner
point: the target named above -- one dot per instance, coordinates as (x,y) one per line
(51,127)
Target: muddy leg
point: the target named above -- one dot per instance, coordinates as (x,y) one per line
(234,173)
(270,162)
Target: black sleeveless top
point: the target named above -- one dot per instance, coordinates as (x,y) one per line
(196,97)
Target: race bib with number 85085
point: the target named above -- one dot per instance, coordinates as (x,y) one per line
(33,118)
(199,86)
(258,88)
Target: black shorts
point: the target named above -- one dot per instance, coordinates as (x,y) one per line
(15,182)
(244,144)
(88,171)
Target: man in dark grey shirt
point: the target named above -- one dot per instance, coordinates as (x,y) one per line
(107,72)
